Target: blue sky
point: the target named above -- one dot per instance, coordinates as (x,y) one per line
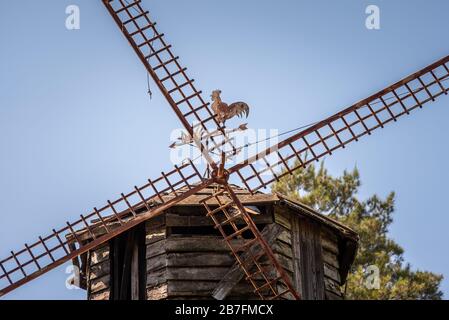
(77,127)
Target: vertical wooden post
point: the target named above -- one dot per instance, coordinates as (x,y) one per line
(296,240)
(308,259)
(135,272)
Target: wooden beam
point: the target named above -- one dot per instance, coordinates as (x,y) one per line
(296,243)
(307,247)
(116,268)
(177,220)
(247,199)
(135,272)
(126,271)
(236,274)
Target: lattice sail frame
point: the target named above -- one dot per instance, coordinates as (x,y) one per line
(148,201)
(125,212)
(171,78)
(344,127)
(263,271)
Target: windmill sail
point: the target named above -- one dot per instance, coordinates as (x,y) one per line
(147,201)
(165,69)
(102,224)
(346,126)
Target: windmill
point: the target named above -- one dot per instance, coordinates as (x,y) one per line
(148,201)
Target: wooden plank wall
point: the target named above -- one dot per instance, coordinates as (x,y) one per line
(283,248)
(193,267)
(190,266)
(98,274)
(312,251)
(332,281)
(155,240)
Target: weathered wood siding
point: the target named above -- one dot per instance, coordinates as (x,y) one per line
(283,247)
(195,265)
(186,267)
(189,263)
(186,257)
(330,250)
(99,273)
(155,240)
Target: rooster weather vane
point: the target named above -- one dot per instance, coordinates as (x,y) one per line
(223,112)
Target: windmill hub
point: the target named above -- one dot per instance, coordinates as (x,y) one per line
(220,176)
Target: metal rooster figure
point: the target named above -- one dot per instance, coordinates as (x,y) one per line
(224,111)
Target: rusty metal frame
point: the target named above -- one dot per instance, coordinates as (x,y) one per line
(173,81)
(271,275)
(51,251)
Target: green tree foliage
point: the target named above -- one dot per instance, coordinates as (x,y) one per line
(337,197)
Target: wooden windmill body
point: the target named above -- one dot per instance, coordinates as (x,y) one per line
(180,255)
(123,225)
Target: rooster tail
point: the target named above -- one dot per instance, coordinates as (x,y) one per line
(239,109)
